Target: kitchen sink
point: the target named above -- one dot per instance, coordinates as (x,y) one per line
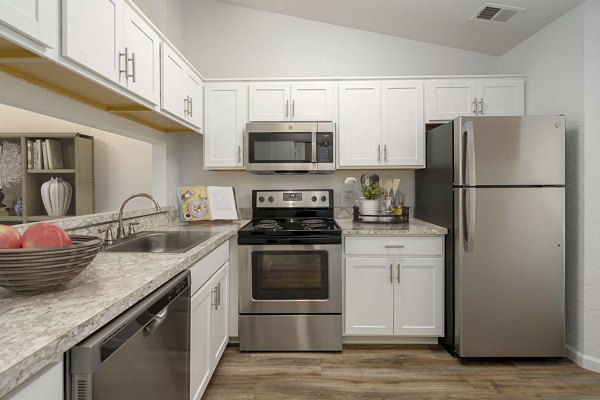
(160,242)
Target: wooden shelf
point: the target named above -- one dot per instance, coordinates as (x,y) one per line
(50,171)
(36,218)
(11,218)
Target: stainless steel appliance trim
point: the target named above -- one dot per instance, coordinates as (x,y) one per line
(278,201)
(85,357)
(470,177)
(333,304)
(313,154)
(290,332)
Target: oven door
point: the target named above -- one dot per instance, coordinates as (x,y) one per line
(273,147)
(290,279)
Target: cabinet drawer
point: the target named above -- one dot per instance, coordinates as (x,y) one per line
(395,245)
(207,266)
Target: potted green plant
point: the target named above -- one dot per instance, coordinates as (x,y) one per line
(371,197)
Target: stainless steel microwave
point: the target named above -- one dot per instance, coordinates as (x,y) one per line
(290,147)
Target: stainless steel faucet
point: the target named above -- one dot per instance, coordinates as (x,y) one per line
(121,228)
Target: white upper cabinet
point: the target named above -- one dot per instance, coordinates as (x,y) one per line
(403,123)
(193,91)
(173,70)
(93,35)
(448,99)
(225,118)
(35,19)
(381,124)
(359,125)
(142,51)
(284,101)
(501,96)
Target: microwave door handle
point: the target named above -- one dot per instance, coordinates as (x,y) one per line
(313,157)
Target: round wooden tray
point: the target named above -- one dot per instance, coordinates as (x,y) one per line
(35,270)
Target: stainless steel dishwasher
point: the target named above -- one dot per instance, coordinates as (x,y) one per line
(142,354)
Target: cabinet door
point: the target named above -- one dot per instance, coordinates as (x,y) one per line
(200,331)
(143,52)
(172,81)
(501,96)
(359,131)
(32,18)
(312,101)
(219,324)
(47,384)
(193,91)
(225,120)
(403,123)
(448,99)
(269,102)
(369,293)
(419,296)
(93,35)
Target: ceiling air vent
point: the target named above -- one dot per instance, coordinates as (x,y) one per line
(497,13)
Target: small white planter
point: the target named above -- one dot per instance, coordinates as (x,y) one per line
(369,207)
(56,196)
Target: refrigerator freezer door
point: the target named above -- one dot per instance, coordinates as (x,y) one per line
(509,272)
(495,151)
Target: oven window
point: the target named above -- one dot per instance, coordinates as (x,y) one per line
(290,275)
(280,147)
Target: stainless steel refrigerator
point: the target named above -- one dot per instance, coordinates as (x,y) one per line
(498,185)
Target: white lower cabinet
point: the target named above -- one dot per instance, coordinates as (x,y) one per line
(209,333)
(47,384)
(394,295)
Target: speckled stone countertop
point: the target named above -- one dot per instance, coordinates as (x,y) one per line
(35,330)
(415,227)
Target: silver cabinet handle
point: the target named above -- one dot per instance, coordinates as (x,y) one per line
(287,108)
(481,106)
(185,106)
(293,108)
(239,154)
(219,295)
(394,246)
(475,106)
(398,267)
(191,106)
(391,273)
(125,56)
(385,152)
(214,300)
(379,152)
(132,59)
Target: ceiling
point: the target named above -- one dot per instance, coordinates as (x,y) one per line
(444,22)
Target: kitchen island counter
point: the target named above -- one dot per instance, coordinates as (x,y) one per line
(36,329)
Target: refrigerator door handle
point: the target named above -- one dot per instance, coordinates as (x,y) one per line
(469,174)
(468,218)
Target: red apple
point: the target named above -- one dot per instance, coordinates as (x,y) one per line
(10,238)
(43,235)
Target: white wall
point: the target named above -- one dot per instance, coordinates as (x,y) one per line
(561,63)
(227,41)
(121,165)
(167,16)
(244,182)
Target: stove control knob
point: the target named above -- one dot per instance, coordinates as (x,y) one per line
(271,199)
(314,199)
(261,199)
(323,198)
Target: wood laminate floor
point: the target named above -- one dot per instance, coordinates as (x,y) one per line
(394,372)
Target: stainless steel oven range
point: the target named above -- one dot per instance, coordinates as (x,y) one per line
(290,293)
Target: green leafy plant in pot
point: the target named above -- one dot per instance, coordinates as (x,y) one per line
(371,196)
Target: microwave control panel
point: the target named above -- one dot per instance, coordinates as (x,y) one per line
(325,147)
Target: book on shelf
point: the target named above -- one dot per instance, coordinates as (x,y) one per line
(55,156)
(7,211)
(207,203)
(38,163)
(30,154)
(45,154)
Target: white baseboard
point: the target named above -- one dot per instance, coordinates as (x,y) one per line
(583,360)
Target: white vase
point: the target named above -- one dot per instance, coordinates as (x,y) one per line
(369,207)
(56,196)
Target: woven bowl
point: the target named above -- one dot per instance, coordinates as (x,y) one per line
(36,270)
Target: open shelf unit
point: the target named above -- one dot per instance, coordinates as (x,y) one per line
(78,156)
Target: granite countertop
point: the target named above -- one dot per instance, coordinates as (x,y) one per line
(415,227)
(36,329)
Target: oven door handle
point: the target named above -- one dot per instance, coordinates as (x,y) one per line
(280,241)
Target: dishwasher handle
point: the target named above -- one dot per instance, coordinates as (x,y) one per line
(88,355)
